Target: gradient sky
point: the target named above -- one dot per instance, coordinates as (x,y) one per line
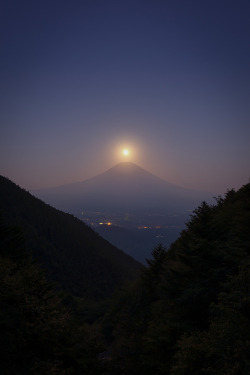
(170,80)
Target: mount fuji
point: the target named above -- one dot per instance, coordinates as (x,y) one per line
(125,186)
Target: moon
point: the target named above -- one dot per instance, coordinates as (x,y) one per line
(125,152)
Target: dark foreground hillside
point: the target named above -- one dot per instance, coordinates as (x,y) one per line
(76,258)
(189,312)
(39,334)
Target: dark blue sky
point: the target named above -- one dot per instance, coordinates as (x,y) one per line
(168,79)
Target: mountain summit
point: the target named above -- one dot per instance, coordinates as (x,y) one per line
(127,168)
(125,186)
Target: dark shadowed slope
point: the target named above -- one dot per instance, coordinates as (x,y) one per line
(124,186)
(74,256)
(189,313)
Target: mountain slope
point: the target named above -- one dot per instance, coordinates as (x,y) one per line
(189,312)
(74,256)
(124,186)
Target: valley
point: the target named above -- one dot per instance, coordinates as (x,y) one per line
(136,233)
(129,206)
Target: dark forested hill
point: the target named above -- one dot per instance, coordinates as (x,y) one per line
(73,255)
(189,312)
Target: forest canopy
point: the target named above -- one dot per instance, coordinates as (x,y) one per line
(188,311)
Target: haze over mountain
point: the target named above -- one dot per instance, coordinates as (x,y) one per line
(126,186)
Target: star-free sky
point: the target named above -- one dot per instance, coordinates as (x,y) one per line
(167,80)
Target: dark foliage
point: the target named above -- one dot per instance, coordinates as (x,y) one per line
(189,311)
(38,334)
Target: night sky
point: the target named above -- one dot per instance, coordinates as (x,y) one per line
(169,80)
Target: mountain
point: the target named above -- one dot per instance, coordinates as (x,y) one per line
(75,257)
(126,186)
(189,312)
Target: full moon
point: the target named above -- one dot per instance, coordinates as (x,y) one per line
(125,152)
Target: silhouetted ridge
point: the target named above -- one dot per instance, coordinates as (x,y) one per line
(189,312)
(74,256)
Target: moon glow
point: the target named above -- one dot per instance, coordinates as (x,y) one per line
(125,152)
